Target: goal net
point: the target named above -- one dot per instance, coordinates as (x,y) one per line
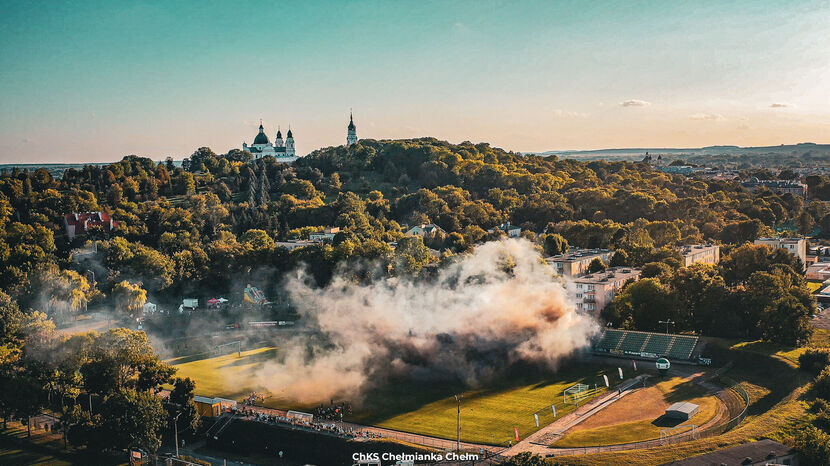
(575,394)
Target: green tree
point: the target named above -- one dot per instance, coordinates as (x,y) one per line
(130,419)
(129,297)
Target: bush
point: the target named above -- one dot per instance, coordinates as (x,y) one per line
(813,445)
(822,384)
(814,360)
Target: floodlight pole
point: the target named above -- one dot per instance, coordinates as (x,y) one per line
(667,322)
(458,399)
(176,429)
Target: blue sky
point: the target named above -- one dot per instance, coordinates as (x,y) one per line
(93,81)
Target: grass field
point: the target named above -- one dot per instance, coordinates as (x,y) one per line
(226,376)
(487,415)
(644,410)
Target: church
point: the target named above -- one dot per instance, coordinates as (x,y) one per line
(262,147)
(284,151)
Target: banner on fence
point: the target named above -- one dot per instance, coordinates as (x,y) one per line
(634,363)
(620,369)
(553,408)
(536,417)
(516,431)
(605,378)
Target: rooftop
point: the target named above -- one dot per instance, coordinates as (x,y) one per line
(609,274)
(579,255)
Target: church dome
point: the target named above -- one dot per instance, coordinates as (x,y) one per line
(351,124)
(289,134)
(279,134)
(261,138)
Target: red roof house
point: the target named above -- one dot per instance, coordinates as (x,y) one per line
(79,223)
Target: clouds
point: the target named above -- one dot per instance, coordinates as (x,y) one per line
(634,103)
(780,105)
(707,116)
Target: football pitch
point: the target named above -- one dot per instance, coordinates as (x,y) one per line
(488,414)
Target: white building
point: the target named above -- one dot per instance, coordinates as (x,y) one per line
(423,230)
(281,150)
(795,246)
(575,262)
(596,290)
(326,234)
(351,135)
(512,231)
(705,253)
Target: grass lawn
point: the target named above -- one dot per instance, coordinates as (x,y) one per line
(226,376)
(487,415)
(612,430)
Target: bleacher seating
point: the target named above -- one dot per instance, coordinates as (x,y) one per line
(682,347)
(610,339)
(658,344)
(633,341)
(654,344)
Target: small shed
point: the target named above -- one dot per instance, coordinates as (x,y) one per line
(149,308)
(682,410)
(207,407)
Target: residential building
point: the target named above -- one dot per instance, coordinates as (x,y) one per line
(512,231)
(820,271)
(575,263)
(795,246)
(79,223)
(596,290)
(423,230)
(326,234)
(782,186)
(704,253)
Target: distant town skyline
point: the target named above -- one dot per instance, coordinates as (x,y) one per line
(92,81)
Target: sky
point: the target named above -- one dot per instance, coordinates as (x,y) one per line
(87,81)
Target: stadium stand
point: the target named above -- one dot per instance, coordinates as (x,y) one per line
(682,347)
(633,342)
(648,345)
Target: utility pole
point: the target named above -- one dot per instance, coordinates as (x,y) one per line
(458,399)
(176,429)
(667,322)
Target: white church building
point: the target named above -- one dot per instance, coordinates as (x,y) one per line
(281,150)
(284,151)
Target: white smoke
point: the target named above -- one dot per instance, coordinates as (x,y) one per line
(492,308)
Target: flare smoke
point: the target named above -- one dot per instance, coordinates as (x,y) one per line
(492,308)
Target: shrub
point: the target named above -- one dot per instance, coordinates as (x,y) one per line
(822,384)
(814,360)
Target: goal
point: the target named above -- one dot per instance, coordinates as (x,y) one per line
(575,394)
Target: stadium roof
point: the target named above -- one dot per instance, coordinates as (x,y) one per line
(683,407)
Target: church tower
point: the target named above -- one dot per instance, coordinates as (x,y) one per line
(278,140)
(351,137)
(289,143)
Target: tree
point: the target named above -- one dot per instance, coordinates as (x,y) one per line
(596,265)
(525,459)
(554,244)
(642,305)
(619,259)
(813,446)
(786,322)
(129,297)
(181,404)
(130,419)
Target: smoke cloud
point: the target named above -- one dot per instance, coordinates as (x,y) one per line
(488,310)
